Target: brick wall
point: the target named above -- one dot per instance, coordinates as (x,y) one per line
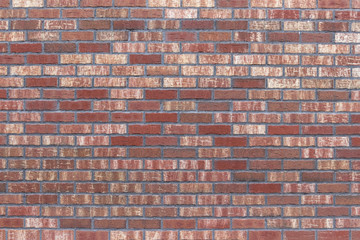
(179,119)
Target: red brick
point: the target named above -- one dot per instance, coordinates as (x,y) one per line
(231,188)
(333,235)
(75,223)
(198,47)
(232,25)
(347,153)
(75,105)
(127,141)
(79,36)
(179,224)
(41,128)
(94,24)
(160,212)
(41,199)
(179,153)
(26,47)
(275,235)
(9,59)
(145,129)
(93,94)
(58,94)
(230,142)
(230,165)
(191,24)
(11,222)
(146,13)
(100,223)
(26,24)
(42,59)
(130,3)
(180,36)
(297,235)
(145,59)
(314,130)
(232,3)
(23,211)
(5,3)
(161,188)
(232,48)
(317,176)
(236,94)
(283,106)
(283,37)
(195,94)
(249,83)
(126,117)
(195,118)
(213,106)
(249,153)
(333,4)
(78,13)
(129,24)
(92,117)
(316,37)
(214,129)
(355,118)
(94,47)
(144,224)
(145,152)
(283,130)
(40,105)
(143,106)
(347,130)
(59,47)
(249,176)
(333,26)
(161,117)
(333,95)
(265,188)
(93,3)
(248,223)
(283,153)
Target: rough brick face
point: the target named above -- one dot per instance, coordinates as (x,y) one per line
(179,119)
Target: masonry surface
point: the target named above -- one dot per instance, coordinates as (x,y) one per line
(179,119)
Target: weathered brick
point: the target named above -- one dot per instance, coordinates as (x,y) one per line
(180,13)
(266,4)
(264,93)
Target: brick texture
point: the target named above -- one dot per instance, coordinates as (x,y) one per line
(179,119)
